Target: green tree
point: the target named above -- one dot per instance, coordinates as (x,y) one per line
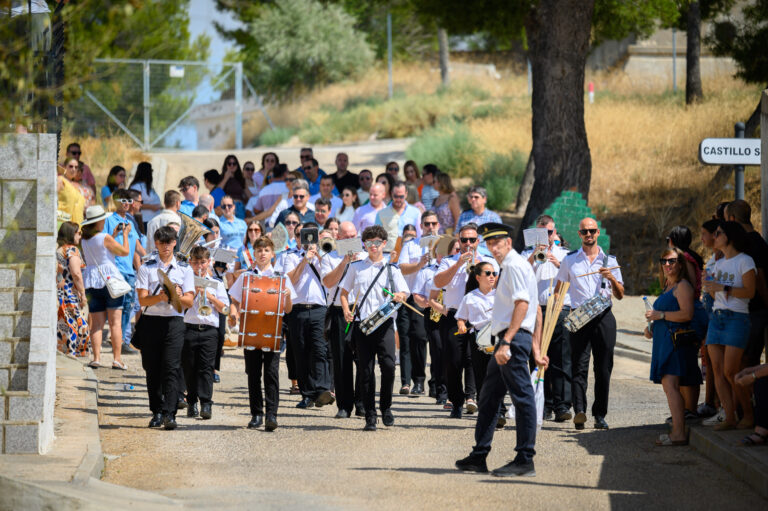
(746,41)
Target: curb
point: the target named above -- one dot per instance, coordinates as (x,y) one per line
(625,351)
(92,464)
(722,448)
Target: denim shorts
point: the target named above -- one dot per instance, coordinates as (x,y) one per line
(99,300)
(729,328)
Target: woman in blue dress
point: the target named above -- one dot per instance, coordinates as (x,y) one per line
(673,365)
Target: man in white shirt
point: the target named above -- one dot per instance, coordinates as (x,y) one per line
(326,192)
(367,279)
(365,216)
(557,379)
(172,202)
(514,320)
(202,337)
(599,334)
(275,191)
(160,336)
(397,215)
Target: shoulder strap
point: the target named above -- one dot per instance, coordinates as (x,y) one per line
(602,279)
(314,270)
(336,293)
(360,305)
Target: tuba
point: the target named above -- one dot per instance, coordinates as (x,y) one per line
(189,235)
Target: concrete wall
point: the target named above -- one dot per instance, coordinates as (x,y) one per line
(28,303)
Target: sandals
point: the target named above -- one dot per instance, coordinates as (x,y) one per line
(750,441)
(94,364)
(665,441)
(119,365)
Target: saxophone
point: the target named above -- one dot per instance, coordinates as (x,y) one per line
(435,315)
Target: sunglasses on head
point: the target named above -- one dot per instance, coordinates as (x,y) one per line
(671,260)
(488,273)
(373,243)
(584,232)
(468,240)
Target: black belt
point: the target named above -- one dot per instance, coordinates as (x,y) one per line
(200,327)
(307,306)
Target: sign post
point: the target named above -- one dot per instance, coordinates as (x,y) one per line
(739,128)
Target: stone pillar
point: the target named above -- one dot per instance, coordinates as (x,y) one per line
(764,162)
(28,303)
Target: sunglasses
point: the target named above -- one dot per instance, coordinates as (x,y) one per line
(305,156)
(398,197)
(584,232)
(254,230)
(671,260)
(488,273)
(373,243)
(299,196)
(365,178)
(306,169)
(290,179)
(392,169)
(125,202)
(248,169)
(75,153)
(468,240)
(430,224)
(291,222)
(227,206)
(475,197)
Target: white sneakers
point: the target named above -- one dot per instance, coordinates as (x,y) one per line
(715,419)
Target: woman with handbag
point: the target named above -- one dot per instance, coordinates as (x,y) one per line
(73,333)
(674,356)
(104,283)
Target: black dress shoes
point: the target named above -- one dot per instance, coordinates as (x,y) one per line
(256,421)
(192,410)
(563,416)
(325,398)
(432,391)
(600,423)
(501,421)
(456,412)
(387,418)
(359,412)
(473,463)
(516,468)
(370,424)
(157,420)
(305,403)
(342,414)
(271,424)
(579,420)
(169,422)
(181,404)
(548,415)
(205,411)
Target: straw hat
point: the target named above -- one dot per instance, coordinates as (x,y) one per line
(94,214)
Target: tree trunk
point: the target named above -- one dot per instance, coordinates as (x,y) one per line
(442,41)
(526,185)
(693,90)
(558,35)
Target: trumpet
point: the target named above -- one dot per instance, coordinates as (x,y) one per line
(540,256)
(471,262)
(327,245)
(203,308)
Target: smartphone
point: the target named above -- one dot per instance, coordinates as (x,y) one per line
(120,227)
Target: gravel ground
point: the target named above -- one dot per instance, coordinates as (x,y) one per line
(317,461)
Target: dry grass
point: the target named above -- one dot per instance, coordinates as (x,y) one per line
(103,153)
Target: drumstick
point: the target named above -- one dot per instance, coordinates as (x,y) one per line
(598,271)
(414,309)
(353,311)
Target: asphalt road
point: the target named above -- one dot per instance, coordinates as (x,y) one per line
(316,461)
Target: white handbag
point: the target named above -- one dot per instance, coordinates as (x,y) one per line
(116,287)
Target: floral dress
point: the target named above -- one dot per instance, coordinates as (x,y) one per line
(73,334)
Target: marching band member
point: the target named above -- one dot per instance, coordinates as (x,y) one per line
(410,326)
(202,337)
(161,356)
(306,326)
(365,279)
(264,251)
(514,318)
(333,268)
(452,276)
(599,334)
(557,379)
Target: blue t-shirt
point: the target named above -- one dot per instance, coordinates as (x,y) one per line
(217,194)
(187,207)
(105,193)
(124,263)
(232,233)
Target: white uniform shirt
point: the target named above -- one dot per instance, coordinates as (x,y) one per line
(411,253)
(583,288)
(454,291)
(309,288)
(360,277)
(192,315)
(424,282)
(476,308)
(516,282)
(236,290)
(547,271)
(329,263)
(178,273)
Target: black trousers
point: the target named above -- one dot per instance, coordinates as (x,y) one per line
(270,360)
(222,334)
(557,378)
(413,344)
(310,350)
(512,377)
(290,361)
(161,360)
(761,402)
(436,369)
(599,336)
(346,384)
(198,359)
(380,343)
(480,361)
(457,361)
(758,337)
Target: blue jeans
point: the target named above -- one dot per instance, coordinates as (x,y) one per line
(128,300)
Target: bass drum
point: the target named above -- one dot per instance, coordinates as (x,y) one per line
(263,308)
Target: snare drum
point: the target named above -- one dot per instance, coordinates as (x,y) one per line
(263,308)
(375,320)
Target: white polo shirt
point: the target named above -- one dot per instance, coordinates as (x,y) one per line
(411,253)
(454,291)
(192,315)
(516,282)
(179,273)
(547,271)
(424,282)
(330,262)
(361,275)
(583,288)
(476,308)
(309,288)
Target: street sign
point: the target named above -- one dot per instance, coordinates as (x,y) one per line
(730,151)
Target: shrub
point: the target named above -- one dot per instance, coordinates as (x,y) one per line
(450,146)
(501,176)
(277,136)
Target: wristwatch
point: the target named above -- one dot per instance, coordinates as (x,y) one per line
(663,316)
(504,343)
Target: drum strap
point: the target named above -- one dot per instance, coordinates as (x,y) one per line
(322,287)
(360,305)
(336,293)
